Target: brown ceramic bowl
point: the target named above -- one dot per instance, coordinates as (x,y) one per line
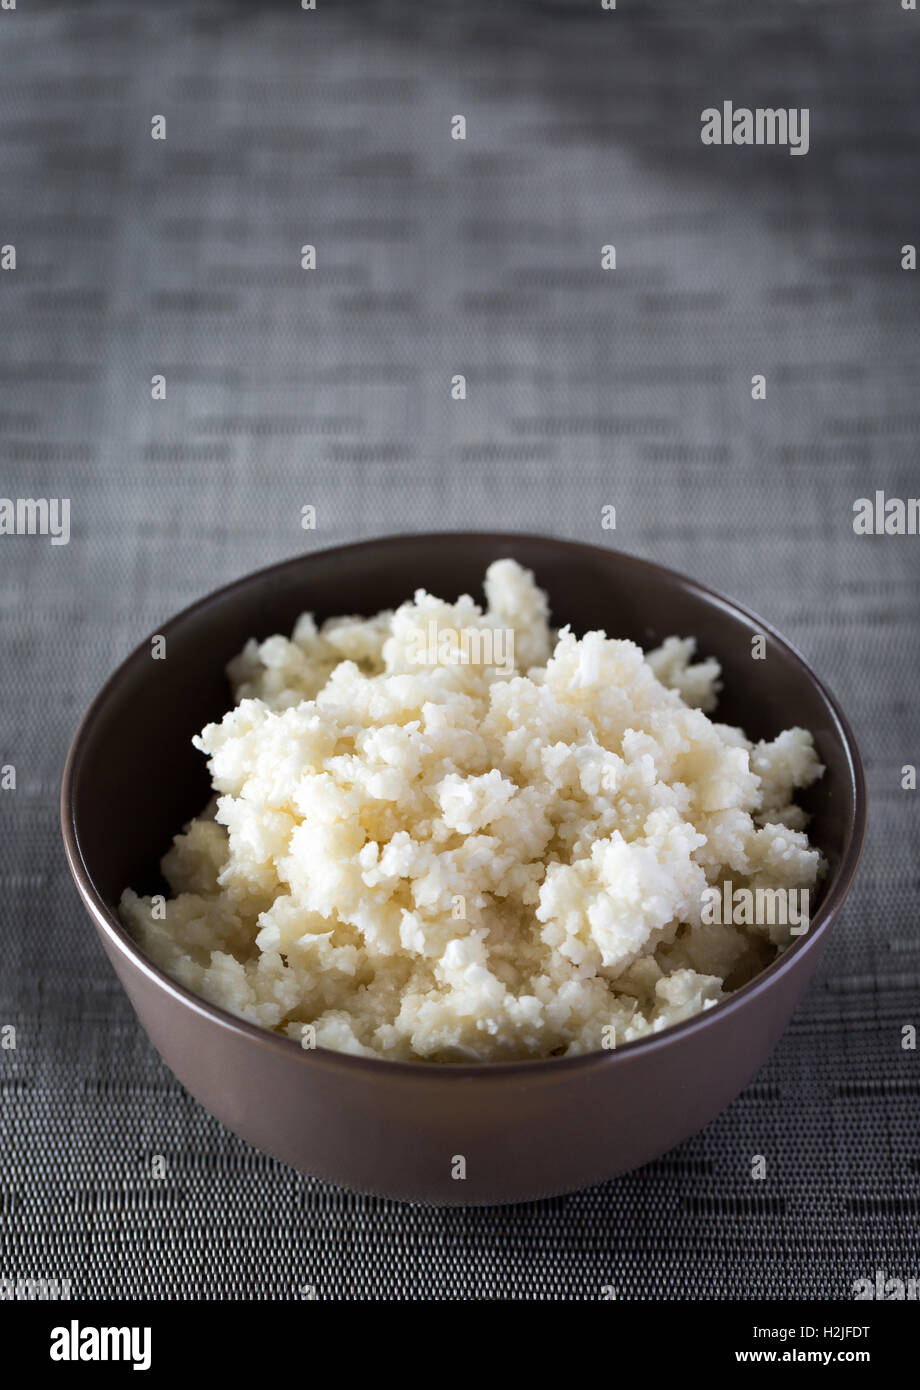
(525,1129)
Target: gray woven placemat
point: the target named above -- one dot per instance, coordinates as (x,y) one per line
(284,387)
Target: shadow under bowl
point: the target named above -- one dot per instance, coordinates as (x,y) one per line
(525,1129)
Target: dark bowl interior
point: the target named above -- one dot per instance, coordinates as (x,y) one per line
(135,778)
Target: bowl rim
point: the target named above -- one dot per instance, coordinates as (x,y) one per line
(531,1069)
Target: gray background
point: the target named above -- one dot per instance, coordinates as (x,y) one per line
(332,388)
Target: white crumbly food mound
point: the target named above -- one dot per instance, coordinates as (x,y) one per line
(455,862)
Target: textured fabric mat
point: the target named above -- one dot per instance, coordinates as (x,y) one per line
(332,388)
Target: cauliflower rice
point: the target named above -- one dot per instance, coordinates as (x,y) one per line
(457,861)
